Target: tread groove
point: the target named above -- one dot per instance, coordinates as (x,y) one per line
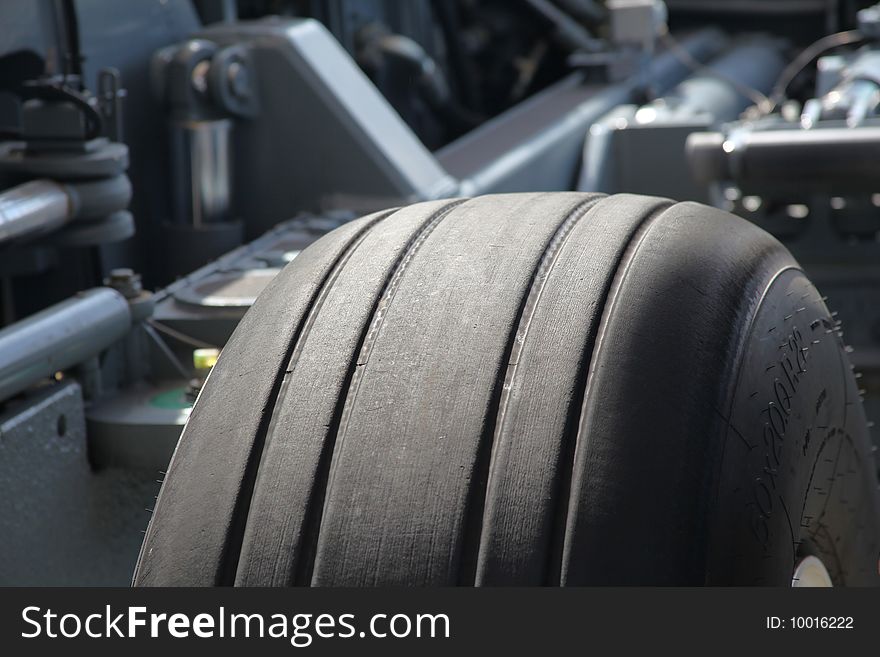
(312,527)
(555,568)
(495,418)
(228,566)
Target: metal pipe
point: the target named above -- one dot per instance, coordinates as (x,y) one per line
(33,208)
(559,145)
(60,337)
(713,95)
(667,69)
(202,173)
(42,206)
(752,64)
(841,156)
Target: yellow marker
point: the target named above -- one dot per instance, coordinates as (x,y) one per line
(205,359)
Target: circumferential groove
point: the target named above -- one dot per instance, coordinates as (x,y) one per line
(342,412)
(573,426)
(496,417)
(228,566)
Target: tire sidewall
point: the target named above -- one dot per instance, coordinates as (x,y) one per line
(794,479)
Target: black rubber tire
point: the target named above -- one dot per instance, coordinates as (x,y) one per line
(526,389)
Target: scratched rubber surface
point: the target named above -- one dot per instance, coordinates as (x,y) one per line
(797,439)
(525,389)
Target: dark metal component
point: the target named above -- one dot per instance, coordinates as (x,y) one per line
(217,11)
(42,441)
(96,199)
(60,337)
(570,31)
(780,7)
(124,36)
(42,206)
(190,246)
(204,87)
(642,149)
(202,171)
(116,227)
(413,82)
(60,128)
(138,428)
(868,21)
(362,153)
(201,165)
(854,97)
(110,95)
(587,10)
(66,524)
(841,158)
(708,161)
(39,207)
(32,209)
(126,282)
(55,111)
(231,81)
(205,306)
(100,158)
(230,289)
(200,137)
(179,76)
(538,145)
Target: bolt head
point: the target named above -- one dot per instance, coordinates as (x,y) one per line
(125,281)
(239,80)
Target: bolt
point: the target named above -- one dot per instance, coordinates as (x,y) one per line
(125,281)
(239,80)
(199,76)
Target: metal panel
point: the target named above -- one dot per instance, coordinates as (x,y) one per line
(60,522)
(537,145)
(325,136)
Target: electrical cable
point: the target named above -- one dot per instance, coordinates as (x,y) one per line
(811,52)
(180,337)
(166,351)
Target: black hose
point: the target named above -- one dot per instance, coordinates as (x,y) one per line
(73,56)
